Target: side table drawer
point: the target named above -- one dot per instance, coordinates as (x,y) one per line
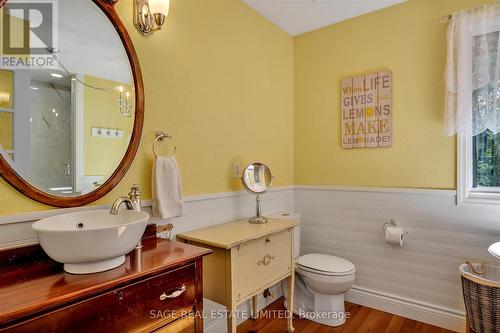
(261,261)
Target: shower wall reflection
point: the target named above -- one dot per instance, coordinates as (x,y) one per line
(51,134)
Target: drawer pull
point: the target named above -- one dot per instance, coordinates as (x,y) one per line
(173,293)
(266,260)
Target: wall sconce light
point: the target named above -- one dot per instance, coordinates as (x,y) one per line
(125,107)
(149,15)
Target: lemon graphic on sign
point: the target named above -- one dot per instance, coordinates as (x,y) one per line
(369,111)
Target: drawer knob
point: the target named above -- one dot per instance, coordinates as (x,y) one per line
(173,293)
(266,260)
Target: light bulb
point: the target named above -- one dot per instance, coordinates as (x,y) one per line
(159,6)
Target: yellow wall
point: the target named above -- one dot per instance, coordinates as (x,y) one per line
(100,109)
(6,124)
(224,82)
(16,35)
(407,39)
(219,78)
(6,83)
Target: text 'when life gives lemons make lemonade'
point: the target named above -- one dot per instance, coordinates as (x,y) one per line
(366,111)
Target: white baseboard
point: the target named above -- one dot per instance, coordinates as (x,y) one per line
(450,319)
(427,313)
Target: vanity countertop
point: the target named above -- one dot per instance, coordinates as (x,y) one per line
(28,288)
(230,234)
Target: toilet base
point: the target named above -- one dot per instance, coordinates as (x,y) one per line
(323,309)
(329,309)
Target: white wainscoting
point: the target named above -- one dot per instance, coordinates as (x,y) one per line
(200,211)
(419,280)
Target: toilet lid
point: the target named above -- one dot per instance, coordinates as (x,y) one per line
(325,263)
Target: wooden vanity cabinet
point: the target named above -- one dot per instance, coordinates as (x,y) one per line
(156,290)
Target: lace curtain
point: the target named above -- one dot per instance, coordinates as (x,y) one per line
(472,78)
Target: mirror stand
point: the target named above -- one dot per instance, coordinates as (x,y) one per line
(257,180)
(258,218)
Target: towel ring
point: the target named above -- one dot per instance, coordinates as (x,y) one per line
(160,136)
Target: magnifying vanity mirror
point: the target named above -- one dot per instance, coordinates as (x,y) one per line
(257,179)
(69,131)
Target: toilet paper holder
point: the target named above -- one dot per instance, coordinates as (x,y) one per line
(394,223)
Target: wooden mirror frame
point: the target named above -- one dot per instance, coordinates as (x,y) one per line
(20,184)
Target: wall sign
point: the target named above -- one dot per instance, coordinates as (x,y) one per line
(367,110)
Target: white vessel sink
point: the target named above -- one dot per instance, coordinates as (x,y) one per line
(494,250)
(91,241)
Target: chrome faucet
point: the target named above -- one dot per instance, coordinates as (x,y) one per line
(132,201)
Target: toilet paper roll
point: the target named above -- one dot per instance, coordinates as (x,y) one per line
(394,235)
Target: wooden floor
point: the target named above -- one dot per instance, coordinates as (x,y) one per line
(362,319)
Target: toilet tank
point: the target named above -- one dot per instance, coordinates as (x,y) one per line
(294,216)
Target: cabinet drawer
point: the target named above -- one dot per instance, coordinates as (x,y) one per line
(261,261)
(138,307)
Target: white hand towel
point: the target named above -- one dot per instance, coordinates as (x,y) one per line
(167,188)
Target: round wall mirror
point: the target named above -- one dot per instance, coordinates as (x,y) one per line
(257,179)
(70,128)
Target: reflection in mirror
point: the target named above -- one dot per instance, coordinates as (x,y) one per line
(66,130)
(257,179)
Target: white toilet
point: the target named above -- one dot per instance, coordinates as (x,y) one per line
(321,280)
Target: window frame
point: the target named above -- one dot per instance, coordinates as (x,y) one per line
(466,192)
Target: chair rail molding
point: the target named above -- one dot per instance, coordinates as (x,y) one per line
(200,211)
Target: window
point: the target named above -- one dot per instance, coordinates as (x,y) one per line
(486,159)
(485,106)
(473,102)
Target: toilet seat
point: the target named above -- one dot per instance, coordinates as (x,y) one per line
(314,271)
(324,264)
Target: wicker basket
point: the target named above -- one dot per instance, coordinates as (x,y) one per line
(481,289)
